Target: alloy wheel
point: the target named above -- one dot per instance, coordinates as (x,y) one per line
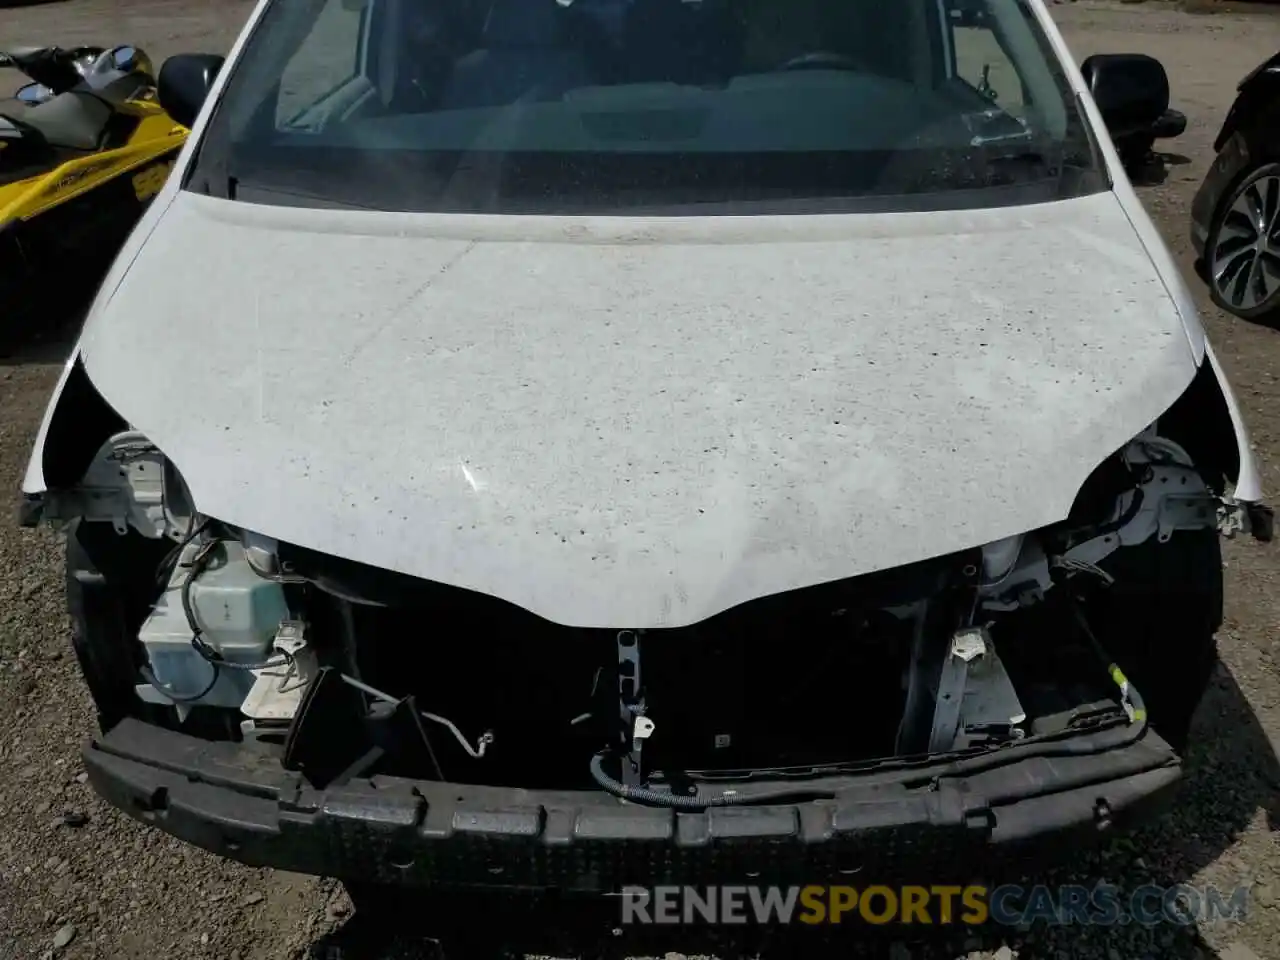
(1245,264)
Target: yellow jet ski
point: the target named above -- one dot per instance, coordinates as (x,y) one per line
(82,152)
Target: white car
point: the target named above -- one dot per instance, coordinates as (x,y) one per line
(573,443)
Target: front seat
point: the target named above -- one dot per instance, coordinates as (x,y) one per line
(526,52)
(74,120)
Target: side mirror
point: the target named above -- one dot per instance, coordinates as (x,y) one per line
(32,94)
(184,83)
(1130,89)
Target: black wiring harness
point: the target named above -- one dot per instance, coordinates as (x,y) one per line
(658,798)
(1047,745)
(209,654)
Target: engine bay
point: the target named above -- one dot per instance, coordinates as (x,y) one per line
(353,671)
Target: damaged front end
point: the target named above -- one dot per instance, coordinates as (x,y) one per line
(291,708)
(1000,645)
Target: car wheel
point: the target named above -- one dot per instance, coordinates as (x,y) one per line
(1242,252)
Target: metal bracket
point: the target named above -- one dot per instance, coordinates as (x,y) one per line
(1256,519)
(636,727)
(1232,519)
(129,483)
(1174,498)
(975,696)
(276,695)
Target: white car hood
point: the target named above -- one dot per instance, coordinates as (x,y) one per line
(624,423)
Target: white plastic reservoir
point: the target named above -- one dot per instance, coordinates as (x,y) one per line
(238,613)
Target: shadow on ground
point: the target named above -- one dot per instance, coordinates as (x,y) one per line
(1228,6)
(1155,169)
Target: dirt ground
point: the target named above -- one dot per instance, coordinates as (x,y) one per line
(69,866)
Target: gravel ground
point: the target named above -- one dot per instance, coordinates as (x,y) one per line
(77,880)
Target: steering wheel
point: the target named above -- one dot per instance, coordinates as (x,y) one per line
(823,60)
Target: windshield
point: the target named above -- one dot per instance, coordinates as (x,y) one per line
(633,106)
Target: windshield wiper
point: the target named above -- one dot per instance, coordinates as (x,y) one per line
(1052,162)
(237,189)
(1024,158)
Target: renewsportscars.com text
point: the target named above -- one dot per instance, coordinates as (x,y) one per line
(1010,905)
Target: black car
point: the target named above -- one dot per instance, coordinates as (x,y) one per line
(1235,217)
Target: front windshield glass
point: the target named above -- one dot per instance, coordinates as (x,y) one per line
(633,106)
